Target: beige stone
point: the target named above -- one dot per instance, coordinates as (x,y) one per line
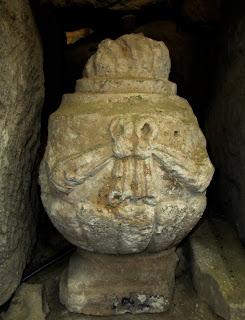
(218,261)
(126,167)
(105,284)
(185,304)
(125,172)
(129,57)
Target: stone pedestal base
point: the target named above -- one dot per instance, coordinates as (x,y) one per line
(96,284)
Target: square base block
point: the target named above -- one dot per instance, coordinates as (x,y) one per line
(98,284)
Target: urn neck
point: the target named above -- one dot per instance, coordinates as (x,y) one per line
(114,85)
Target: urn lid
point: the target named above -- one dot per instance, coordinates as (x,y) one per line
(132,63)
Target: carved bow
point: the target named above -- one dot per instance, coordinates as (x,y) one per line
(132,175)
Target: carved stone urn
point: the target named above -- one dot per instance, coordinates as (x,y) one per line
(124,178)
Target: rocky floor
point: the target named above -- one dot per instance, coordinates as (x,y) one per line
(185,306)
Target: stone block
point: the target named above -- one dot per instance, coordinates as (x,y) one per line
(100,284)
(218,267)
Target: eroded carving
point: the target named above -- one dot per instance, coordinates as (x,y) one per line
(135,171)
(124,172)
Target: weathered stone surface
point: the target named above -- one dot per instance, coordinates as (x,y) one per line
(225,127)
(29,303)
(107,284)
(218,261)
(125,171)
(21,87)
(138,181)
(185,303)
(137,57)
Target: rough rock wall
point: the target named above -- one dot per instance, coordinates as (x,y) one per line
(21,99)
(226,121)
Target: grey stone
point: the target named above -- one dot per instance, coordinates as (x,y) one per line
(218,267)
(106,284)
(29,303)
(21,98)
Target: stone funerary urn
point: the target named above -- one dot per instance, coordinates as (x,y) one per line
(124,178)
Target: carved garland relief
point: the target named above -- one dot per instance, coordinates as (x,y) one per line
(135,157)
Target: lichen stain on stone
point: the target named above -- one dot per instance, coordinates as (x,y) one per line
(140,302)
